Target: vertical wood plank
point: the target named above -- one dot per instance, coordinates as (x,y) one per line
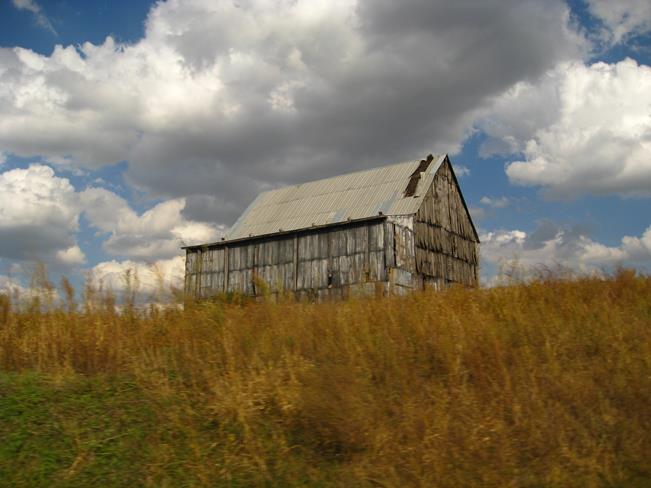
(295,259)
(226,264)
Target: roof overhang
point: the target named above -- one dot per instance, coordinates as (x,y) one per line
(304,230)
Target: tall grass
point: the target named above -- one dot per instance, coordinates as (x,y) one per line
(539,384)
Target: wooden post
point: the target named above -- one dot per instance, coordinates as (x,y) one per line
(199,272)
(367,254)
(225,269)
(188,274)
(295,262)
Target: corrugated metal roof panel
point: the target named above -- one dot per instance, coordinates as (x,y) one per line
(352,196)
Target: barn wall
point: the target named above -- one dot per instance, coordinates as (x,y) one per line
(436,246)
(329,262)
(400,259)
(447,250)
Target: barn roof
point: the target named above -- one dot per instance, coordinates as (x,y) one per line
(349,197)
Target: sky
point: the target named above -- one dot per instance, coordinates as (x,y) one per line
(129,129)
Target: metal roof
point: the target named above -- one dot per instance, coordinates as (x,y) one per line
(344,198)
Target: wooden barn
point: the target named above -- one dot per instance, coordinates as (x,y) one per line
(386,230)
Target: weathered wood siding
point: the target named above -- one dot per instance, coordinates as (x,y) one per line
(321,263)
(447,250)
(204,271)
(400,257)
(388,254)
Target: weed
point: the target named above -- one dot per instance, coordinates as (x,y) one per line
(546,383)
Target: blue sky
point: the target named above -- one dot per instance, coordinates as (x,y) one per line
(130,128)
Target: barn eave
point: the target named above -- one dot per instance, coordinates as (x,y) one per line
(227,242)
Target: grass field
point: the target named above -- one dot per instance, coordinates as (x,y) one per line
(529,385)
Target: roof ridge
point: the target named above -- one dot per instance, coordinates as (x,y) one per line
(411,161)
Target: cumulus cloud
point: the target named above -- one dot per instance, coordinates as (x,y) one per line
(72,256)
(222,99)
(155,234)
(39,221)
(550,244)
(37,11)
(10,286)
(622,18)
(158,276)
(581,129)
(38,216)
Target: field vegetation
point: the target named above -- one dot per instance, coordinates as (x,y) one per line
(537,384)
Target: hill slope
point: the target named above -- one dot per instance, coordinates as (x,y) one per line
(545,384)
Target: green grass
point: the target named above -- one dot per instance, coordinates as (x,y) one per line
(72,432)
(79,432)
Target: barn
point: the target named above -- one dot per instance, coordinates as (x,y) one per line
(386,230)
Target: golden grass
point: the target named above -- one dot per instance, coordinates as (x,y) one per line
(539,384)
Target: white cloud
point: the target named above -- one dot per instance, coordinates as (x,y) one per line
(10,286)
(35,8)
(622,18)
(39,221)
(38,216)
(26,192)
(72,256)
(461,170)
(550,244)
(496,202)
(581,129)
(222,98)
(158,276)
(156,233)
(631,250)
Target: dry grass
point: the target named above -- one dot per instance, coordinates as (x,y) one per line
(539,384)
